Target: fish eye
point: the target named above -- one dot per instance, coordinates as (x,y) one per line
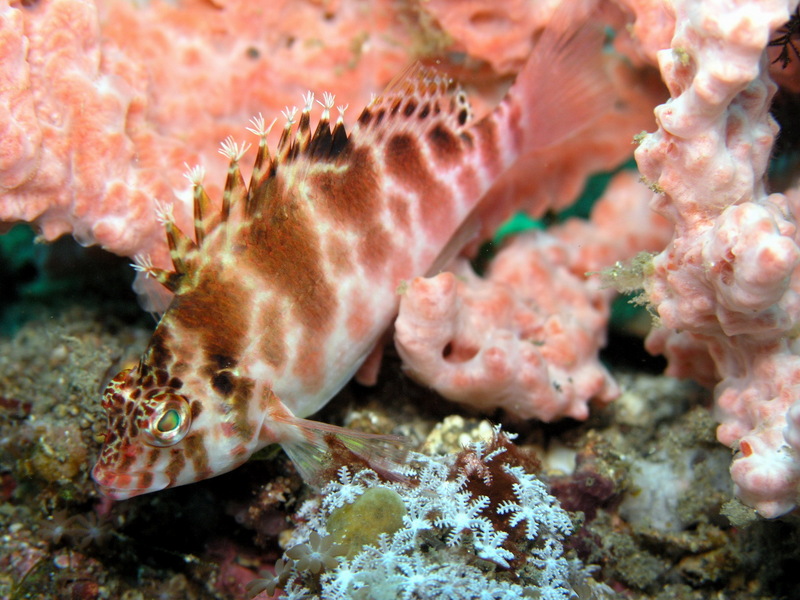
(170,420)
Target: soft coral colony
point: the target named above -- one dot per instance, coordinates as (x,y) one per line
(452,530)
(724,289)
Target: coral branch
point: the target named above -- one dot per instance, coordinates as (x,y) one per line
(726,285)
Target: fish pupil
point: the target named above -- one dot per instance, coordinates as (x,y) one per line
(170,421)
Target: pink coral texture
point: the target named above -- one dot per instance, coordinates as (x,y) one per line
(726,286)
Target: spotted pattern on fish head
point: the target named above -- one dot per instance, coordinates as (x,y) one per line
(170,423)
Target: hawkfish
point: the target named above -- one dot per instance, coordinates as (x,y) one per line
(289,286)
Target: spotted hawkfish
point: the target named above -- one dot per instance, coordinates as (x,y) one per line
(289,286)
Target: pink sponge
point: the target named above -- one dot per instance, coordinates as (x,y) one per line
(491,344)
(525,338)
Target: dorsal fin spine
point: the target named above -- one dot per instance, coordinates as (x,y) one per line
(262,167)
(285,144)
(320,144)
(303,134)
(339,133)
(168,279)
(235,189)
(200,200)
(202,208)
(178,242)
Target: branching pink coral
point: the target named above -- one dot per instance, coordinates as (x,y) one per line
(526,338)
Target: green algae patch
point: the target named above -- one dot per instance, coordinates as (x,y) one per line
(360,523)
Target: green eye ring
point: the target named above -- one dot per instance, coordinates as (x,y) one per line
(169,421)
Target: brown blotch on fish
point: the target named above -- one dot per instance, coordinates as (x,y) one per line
(310,365)
(145,479)
(158,353)
(375,249)
(162,376)
(222,361)
(273,345)
(468,180)
(396,106)
(176,464)
(339,254)
(175,383)
(240,451)
(401,217)
(360,317)
(196,451)
(222,383)
(353,195)
(212,302)
(404,162)
(365,117)
(125,462)
(411,106)
(287,237)
(196,408)
(445,146)
(240,403)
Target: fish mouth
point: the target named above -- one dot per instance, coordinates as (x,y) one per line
(121,486)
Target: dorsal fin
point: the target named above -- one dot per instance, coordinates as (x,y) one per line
(417,95)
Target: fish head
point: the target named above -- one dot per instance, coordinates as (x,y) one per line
(164,431)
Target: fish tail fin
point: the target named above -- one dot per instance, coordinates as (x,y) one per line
(563,86)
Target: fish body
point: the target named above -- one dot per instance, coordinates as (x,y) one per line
(283,293)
